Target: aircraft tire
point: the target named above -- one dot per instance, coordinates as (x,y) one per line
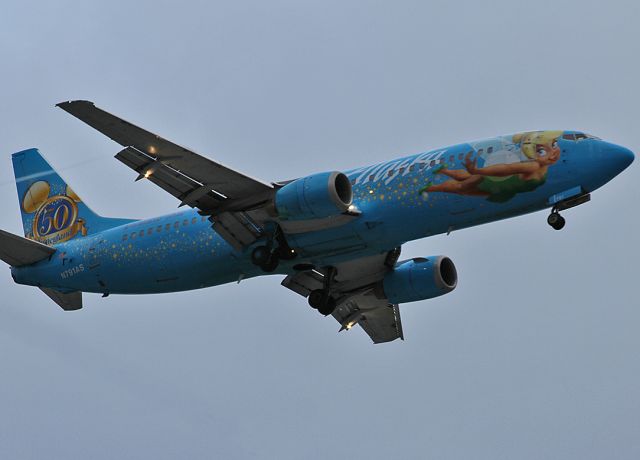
(556,221)
(317,301)
(260,255)
(328,308)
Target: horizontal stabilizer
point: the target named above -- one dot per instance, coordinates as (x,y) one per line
(68,302)
(18,251)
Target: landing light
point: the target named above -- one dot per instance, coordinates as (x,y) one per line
(148,174)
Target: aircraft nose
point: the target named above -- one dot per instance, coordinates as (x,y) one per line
(619,157)
(606,161)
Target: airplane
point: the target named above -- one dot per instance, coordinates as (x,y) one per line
(335,236)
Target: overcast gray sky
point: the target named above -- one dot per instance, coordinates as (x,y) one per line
(534,355)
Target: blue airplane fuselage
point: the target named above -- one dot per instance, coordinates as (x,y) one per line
(399,201)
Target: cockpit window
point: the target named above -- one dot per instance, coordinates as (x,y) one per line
(578,136)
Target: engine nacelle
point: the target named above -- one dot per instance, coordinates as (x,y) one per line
(314,197)
(419,279)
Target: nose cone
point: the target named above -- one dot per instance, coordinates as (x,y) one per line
(602,162)
(620,157)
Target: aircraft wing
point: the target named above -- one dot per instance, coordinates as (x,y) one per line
(358,297)
(216,190)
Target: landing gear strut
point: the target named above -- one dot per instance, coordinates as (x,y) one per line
(321,299)
(556,221)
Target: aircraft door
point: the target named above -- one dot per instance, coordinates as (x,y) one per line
(94,258)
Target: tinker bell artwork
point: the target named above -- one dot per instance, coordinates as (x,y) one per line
(519,165)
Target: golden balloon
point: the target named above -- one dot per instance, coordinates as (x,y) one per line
(36,195)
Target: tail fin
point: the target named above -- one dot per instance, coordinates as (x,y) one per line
(52,213)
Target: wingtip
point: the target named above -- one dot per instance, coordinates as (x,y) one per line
(64,104)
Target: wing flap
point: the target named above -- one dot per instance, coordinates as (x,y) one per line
(377,317)
(170,180)
(235,228)
(383,324)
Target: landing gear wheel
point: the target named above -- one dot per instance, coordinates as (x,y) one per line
(556,221)
(325,304)
(260,255)
(328,307)
(315,298)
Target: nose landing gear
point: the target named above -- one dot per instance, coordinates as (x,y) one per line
(555,220)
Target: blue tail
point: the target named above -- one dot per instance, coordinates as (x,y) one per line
(52,213)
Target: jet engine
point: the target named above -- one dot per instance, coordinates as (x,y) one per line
(419,279)
(314,197)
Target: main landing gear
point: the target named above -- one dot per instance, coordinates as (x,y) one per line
(265,258)
(556,221)
(269,255)
(321,299)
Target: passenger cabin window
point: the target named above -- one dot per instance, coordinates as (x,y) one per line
(460,156)
(159,229)
(433,163)
(490,150)
(480,152)
(401,170)
(141,233)
(412,168)
(176,224)
(167,227)
(125,237)
(185,223)
(133,235)
(150,231)
(194,221)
